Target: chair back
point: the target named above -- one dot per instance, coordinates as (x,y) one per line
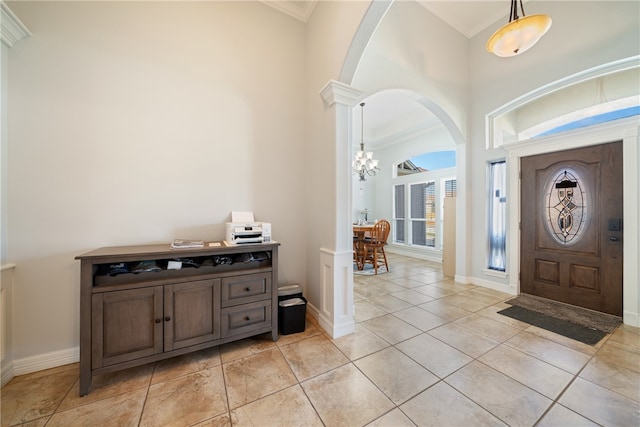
(380,231)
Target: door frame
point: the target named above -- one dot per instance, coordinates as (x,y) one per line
(625,130)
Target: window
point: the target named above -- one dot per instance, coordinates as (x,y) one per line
(423,214)
(497,215)
(430,161)
(399,214)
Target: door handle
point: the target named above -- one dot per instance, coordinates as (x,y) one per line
(613,238)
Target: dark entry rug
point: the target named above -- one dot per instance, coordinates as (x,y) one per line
(577,323)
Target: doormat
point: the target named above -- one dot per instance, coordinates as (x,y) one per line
(563,327)
(571,313)
(368,270)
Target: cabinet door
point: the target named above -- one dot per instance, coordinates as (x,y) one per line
(191,313)
(126,325)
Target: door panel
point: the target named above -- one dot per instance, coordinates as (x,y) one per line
(571,227)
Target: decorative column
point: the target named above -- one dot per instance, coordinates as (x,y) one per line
(336,264)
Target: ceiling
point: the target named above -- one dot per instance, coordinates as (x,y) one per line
(391,115)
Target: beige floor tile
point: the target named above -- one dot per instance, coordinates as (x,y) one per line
(40,422)
(502,396)
(433,354)
(421,319)
(548,351)
(463,339)
(412,296)
(313,356)
(489,328)
(346,397)
(625,337)
(109,385)
(35,398)
(398,376)
(471,300)
(411,282)
(441,405)
(391,329)
(442,309)
(600,405)
(434,291)
(288,407)
(603,371)
(534,373)
(559,416)
(614,354)
(364,311)
(246,347)
(118,411)
(256,376)
(491,312)
(368,290)
(453,286)
(186,364)
(223,420)
(391,287)
(360,343)
(311,330)
(565,341)
(389,303)
(393,418)
(425,279)
(186,400)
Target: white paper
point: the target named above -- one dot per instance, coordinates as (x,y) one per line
(242,216)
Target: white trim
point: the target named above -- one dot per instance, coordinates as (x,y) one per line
(300,10)
(414,252)
(40,362)
(4,267)
(8,372)
(501,287)
(601,70)
(495,273)
(12,30)
(337,92)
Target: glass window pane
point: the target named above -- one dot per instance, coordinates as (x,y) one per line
(497,215)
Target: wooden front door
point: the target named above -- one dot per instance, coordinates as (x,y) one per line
(571,227)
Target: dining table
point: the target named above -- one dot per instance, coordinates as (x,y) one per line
(360,232)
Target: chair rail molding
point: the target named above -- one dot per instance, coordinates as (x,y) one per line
(12,30)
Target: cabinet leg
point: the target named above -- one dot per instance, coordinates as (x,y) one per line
(85,383)
(274,335)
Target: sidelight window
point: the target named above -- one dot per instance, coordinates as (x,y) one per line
(497,215)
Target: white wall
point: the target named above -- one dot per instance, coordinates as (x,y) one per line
(600,33)
(134,123)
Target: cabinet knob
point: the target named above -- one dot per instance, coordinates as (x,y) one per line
(158,320)
(247,289)
(167,319)
(246,318)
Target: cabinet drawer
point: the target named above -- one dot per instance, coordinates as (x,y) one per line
(246,288)
(246,318)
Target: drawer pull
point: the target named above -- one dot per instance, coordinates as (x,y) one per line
(246,318)
(247,289)
(158,320)
(167,319)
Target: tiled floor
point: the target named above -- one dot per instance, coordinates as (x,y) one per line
(426,351)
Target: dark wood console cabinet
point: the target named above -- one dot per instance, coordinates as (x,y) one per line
(130,317)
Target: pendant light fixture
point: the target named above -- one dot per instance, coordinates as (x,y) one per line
(520,34)
(364,165)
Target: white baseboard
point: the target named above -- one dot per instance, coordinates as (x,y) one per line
(40,362)
(631,319)
(7,373)
(496,286)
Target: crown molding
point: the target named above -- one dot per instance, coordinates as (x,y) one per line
(12,29)
(300,10)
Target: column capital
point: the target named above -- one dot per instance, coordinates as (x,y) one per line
(337,92)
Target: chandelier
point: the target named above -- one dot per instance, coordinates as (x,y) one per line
(364,165)
(520,34)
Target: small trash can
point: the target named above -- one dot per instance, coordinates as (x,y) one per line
(292,309)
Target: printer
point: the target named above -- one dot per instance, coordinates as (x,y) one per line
(252,232)
(243,229)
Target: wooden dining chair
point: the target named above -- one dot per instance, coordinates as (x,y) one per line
(374,253)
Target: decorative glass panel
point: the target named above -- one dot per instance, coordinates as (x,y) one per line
(566,206)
